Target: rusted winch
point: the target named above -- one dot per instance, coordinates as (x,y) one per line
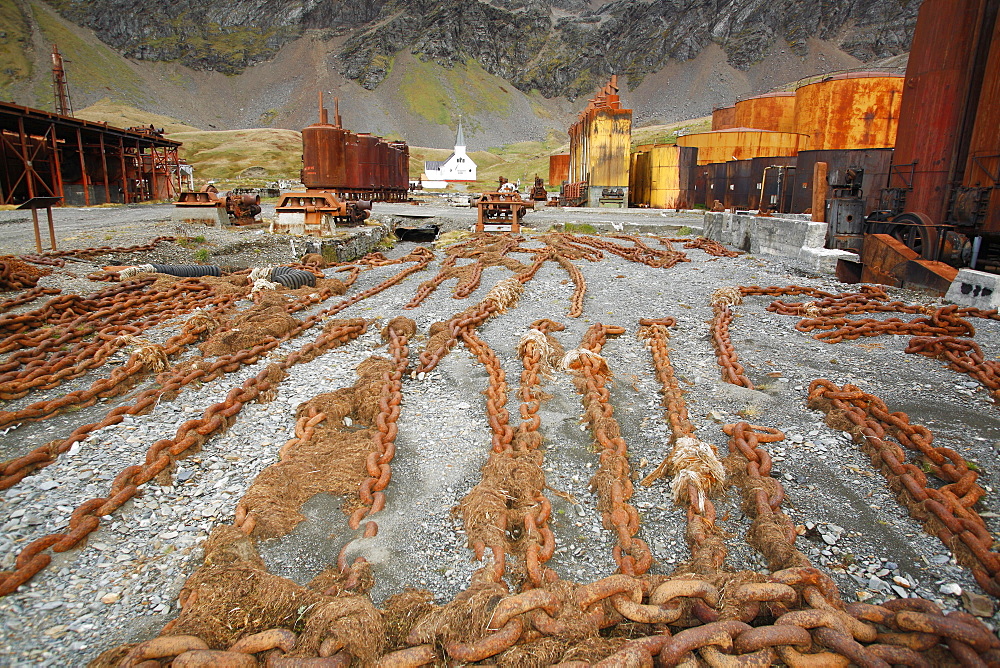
(501,212)
(209,206)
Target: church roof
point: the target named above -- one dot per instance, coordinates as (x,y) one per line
(436,164)
(460,138)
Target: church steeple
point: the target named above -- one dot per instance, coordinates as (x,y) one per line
(460,138)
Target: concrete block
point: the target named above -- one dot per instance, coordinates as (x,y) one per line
(824,260)
(212,216)
(975,288)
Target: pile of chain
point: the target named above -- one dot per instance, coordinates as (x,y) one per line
(485,250)
(16,275)
(25,297)
(639,251)
(947,511)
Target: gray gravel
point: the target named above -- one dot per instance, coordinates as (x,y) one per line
(122,586)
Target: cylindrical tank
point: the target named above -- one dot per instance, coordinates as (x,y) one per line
(724,118)
(850,111)
(742,144)
(323,159)
(939,74)
(352,157)
(368,154)
(669,182)
(382,166)
(875,163)
(771,111)
(558,168)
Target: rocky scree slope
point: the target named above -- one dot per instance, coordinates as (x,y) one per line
(558,47)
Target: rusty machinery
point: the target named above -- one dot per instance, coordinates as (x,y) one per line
(538,192)
(501,212)
(343,172)
(208,205)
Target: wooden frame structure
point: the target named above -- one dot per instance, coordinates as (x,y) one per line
(48,155)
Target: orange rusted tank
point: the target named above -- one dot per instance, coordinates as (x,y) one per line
(743,144)
(558,169)
(724,118)
(857,110)
(771,111)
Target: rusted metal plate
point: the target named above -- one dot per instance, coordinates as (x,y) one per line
(724,118)
(849,112)
(771,111)
(742,144)
(982,168)
(558,168)
(888,261)
(874,161)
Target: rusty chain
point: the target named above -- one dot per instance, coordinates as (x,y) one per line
(947,511)
(723,301)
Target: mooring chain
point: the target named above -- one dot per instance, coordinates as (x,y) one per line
(64,308)
(539,352)
(502,296)
(160,457)
(948,511)
(613,480)
(28,295)
(710,246)
(693,464)
(722,302)
(105,250)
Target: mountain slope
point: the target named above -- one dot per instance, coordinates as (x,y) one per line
(512,70)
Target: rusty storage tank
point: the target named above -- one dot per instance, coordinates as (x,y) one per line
(771,111)
(757,167)
(875,162)
(382,165)
(855,110)
(777,184)
(638,176)
(737,193)
(558,169)
(670,176)
(324,163)
(369,160)
(402,170)
(352,157)
(977,202)
(742,144)
(724,118)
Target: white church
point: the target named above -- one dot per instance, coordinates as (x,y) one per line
(457,167)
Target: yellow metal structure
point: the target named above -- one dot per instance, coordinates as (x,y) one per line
(771,111)
(858,110)
(661,176)
(724,118)
(600,143)
(743,144)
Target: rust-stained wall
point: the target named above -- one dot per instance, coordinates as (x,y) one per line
(772,111)
(558,168)
(742,144)
(724,118)
(850,111)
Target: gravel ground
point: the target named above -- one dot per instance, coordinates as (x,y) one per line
(122,586)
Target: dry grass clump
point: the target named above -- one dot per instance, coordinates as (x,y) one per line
(334,285)
(465,618)
(250,328)
(401,611)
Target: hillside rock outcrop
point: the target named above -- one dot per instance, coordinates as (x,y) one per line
(558,47)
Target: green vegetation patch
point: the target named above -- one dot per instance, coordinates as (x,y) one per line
(226,154)
(88,67)
(15,41)
(440,94)
(122,115)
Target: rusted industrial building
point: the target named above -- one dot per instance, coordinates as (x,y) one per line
(599,148)
(43,154)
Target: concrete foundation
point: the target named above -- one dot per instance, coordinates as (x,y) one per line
(213,216)
(792,238)
(345,244)
(975,288)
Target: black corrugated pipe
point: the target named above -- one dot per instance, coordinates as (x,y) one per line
(292,278)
